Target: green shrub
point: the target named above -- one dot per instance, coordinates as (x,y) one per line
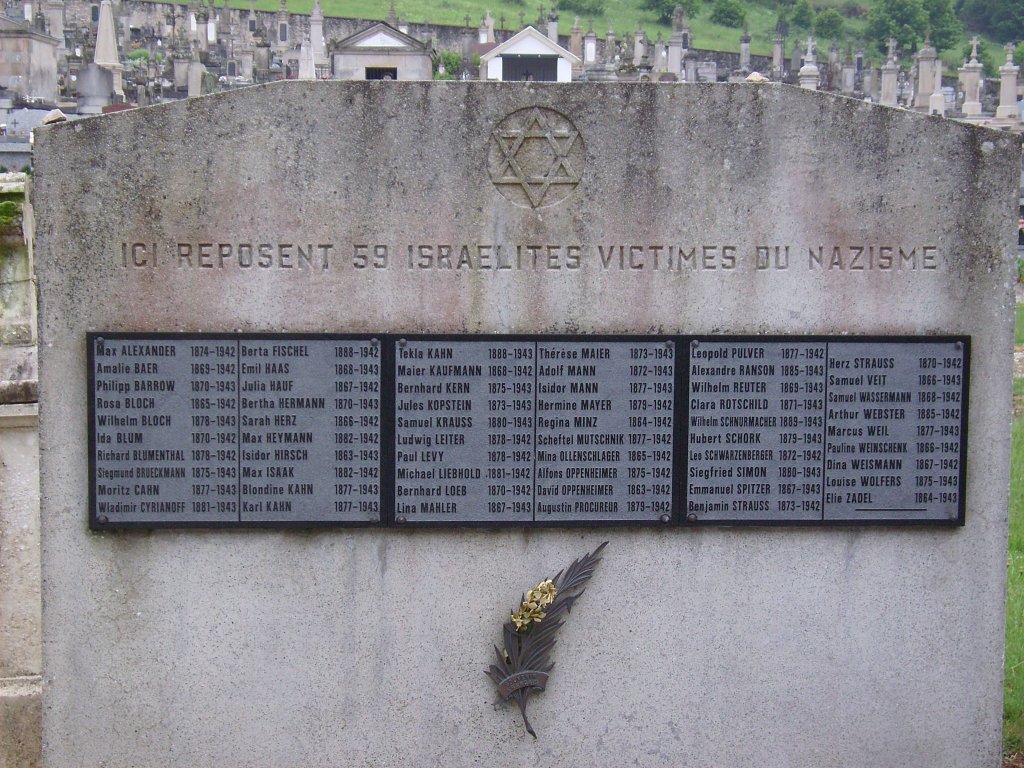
(9,215)
(829,25)
(728,13)
(666,8)
(452,64)
(584,7)
(803,15)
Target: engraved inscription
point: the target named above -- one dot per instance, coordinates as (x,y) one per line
(455,255)
(524,430)
(236,430)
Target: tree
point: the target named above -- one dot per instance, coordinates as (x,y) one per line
(904,20)
(829,24)
(803,15)
(782,23)
(728,13)
(946,29)
(1002,19)
(665,8)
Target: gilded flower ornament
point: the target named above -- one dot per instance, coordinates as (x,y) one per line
(524,664)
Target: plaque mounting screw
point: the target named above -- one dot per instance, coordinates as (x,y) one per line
(99,340)
(400,519)
(691,517)
(402,342)
(102,520)
(665,518)
(694,344)
(959,345)
(374,342)
(670,344)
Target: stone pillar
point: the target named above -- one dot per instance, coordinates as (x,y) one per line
(678,42)
(690,67)
(590,48)
(20,630)
(106,54)
(95,86)
(745,51)
(576,38)
(870,83)
(261,58)
(970,75)
(1007,109)
(201,40)
(639,46)
(925,86)
(195,78)
(777,56)
(675,54)
(607,69)
(20,680)
(890,75)
(246,59)
(54,10)
(553,26)
(937,100)
(282,28)
(660,60)
(316,35)
(488,28)
(809,75)
(249,25)
(307,66)
(181,73)
(848,73)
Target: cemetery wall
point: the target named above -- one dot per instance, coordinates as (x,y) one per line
(742,646)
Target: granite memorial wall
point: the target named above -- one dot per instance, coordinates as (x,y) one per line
(320,360)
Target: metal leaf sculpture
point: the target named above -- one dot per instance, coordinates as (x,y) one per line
(525,664)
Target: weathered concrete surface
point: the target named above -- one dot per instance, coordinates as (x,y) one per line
(749,647)
(20,722)
(20,620)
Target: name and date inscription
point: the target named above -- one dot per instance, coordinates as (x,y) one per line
(535,257)
(248,429)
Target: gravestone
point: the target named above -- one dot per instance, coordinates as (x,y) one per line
(539,313)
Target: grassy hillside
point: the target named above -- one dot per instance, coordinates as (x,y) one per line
(621,15)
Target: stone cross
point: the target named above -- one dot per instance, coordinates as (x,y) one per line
(809,58)
(892,49)
(974,49)
(678,18)
(1009,48)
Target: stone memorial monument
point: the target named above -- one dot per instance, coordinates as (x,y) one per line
(319,397)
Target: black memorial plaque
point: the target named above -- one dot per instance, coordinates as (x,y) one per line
(826,430)
(279,430)
(235,430)
(533,431)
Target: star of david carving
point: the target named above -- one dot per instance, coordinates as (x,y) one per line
(539,152)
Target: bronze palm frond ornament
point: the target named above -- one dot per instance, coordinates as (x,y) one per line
(525,664)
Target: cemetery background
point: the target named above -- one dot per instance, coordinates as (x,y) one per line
(896,128)
(86,57)
(20,665)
